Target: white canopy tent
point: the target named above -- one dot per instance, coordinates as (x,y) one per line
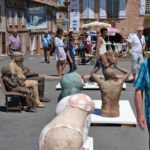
(96,24)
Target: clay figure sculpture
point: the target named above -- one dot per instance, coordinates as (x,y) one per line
(110,89)
(13,83)
(62,105)
(34,76)
(71,83)
(65,131)
(16,69)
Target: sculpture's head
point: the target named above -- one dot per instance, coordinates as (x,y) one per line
(71,83)
(110,74)
(6,72)
(18,57)
(82,102)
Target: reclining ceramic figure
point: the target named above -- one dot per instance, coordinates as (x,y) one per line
(65,131)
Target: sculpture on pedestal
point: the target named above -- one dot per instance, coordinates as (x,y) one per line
(110,89)
(65,131)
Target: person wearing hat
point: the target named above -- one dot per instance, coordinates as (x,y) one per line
(138,44)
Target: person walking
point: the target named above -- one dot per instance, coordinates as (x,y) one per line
(71,56)
(88,41)
(141,84)
(100,49)
(138,44)
(47,41)
(60,52)
(13,43)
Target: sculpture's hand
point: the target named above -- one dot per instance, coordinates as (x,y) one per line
(116,63)
(141,122)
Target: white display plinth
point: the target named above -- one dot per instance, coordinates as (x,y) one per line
(126,117)
(90,86)
(88,144)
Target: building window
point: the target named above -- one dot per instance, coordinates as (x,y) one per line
(57,16)
(10,17)
(0,13)
(113,8)
(16,18)
(22,18)
(147,8)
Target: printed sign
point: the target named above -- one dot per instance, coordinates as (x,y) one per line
(36,18)
(74,16)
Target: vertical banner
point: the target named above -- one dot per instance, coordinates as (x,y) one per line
(74,16)
(36,17)
(142,7)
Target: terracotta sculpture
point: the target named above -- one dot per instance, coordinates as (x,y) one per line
(34,76)
(13,83)
(65,131)
(110,89)
(71,83)
(15,69)
(62,105)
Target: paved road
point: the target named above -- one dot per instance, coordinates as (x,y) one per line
(20,131)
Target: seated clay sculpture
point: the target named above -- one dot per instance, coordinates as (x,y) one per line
(71,83)
(110,89)
(65,131)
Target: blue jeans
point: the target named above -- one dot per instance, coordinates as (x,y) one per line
(148,126)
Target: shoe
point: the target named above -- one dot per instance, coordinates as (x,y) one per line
(45,99)
(40,105)
(31,109)
(48,61)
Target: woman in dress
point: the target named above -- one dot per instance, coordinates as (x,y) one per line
(60,52)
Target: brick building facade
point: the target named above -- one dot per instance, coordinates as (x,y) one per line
(16,17)
(125,15)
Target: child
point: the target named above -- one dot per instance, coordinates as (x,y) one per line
(13,83)
(71,56)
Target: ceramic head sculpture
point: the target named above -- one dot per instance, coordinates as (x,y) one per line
(71,83)
(65,131)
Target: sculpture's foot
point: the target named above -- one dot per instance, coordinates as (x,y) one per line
(40,105)
(31,109)
(45,99)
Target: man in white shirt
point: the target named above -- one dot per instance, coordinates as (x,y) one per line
(88,41)
(137,42)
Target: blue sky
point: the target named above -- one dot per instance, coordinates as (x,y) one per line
(61,1)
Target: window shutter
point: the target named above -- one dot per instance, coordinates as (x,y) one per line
(102,11)
(85,9)
(142,7)
(91,9)
(122,13)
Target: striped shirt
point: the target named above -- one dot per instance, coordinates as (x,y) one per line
(143,83)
